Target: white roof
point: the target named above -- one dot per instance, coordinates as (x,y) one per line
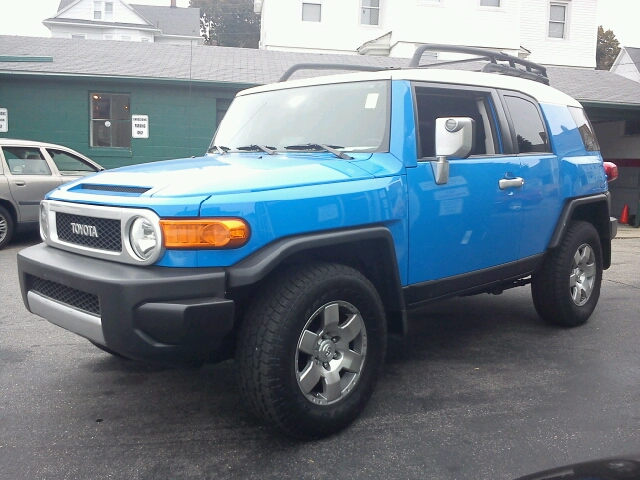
(542,93)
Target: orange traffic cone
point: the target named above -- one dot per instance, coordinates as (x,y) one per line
(624,217)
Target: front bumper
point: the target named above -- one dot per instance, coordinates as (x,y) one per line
(175,316)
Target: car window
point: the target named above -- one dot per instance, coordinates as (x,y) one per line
(585,129)
(530,132)
(69,164)
(438,103)
(25,161)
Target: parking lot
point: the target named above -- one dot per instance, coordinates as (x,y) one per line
(483,390)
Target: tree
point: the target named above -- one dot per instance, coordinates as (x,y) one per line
(607,50)
(228,23)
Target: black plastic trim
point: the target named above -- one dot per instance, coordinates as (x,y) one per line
(567,212)
(256,267)
(131,295)
(469,283)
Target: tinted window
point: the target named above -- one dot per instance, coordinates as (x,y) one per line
(25,161)
(110,120)
(530,131)
(69,164)
(585,129)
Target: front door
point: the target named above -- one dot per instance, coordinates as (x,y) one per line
(472,222)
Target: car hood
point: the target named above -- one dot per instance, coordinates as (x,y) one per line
(224,174)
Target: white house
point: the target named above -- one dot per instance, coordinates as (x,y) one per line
(627,63)
(118,20)
(551,32)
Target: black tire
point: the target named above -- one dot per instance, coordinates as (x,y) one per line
(302,303)
(109,351)
(560,299)
(6,227)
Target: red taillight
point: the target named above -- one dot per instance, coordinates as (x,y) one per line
(611,169)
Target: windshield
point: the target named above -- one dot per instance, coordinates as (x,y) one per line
(346,116)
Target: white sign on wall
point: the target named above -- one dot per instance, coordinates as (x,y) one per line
(4,120)
(139,126)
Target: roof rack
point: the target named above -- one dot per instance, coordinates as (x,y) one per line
(533,71)
(328,66)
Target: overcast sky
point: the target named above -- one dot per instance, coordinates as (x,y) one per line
(24,17)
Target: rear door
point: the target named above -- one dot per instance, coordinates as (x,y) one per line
(29,177)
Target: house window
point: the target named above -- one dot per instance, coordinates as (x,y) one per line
(490,3)
(370,12)
(79,36)
(108,11)
(126,38)
(311,12)
(110,120)
(632,127)
(558,20)
(108,37)
(97,10)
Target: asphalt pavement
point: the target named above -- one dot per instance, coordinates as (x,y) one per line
(484,390)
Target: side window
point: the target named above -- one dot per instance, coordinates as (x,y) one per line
(69,164)
(530,132)
(25,161)
(437,103)
(585,129)
(110,120)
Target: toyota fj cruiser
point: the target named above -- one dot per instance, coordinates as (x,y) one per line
(323,211)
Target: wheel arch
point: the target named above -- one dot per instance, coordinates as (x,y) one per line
(593,209)
(369,250)
(9,207)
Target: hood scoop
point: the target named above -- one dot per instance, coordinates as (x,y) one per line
(111,189)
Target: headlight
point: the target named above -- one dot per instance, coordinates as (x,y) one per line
(143,238)
(44,221)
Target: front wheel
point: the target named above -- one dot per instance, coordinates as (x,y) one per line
(311,348)
(567,287)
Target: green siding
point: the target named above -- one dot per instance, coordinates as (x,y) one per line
(182,119)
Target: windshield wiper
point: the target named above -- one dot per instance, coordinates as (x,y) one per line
(255,148)
(321,146)
(218,148)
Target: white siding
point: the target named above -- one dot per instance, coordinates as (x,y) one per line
(625,67)
(458,22)
(578,49)
(121,12)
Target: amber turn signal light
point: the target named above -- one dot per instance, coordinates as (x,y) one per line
(205,233)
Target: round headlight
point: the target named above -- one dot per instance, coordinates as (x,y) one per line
(143,238)
(44,222)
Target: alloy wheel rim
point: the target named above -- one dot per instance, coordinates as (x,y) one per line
(583,274)
(3,228)
(331,353)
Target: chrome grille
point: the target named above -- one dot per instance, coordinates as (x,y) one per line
(108,230)
(87,302)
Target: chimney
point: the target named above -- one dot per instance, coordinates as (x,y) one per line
(173,3)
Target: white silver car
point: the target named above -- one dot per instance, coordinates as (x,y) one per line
(28,170)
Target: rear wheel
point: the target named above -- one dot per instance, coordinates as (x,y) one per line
(6,227)
(311,348)
(567,287)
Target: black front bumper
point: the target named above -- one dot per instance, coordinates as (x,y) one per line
(175,316)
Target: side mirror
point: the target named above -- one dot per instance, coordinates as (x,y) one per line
(455,137)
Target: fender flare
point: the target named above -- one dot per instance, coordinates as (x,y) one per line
(258,265)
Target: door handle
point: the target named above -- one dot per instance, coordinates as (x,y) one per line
(20,183)
(511,182)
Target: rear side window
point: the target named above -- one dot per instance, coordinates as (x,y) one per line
(530,132)
(69,164)
(585,129)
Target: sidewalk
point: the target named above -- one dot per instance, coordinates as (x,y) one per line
(626,231)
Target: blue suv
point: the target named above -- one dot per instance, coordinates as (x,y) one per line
(324,210)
